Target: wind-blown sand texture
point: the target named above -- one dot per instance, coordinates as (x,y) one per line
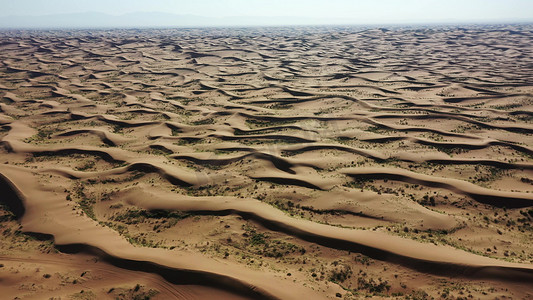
(280,163)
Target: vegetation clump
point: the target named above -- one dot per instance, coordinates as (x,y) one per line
(261,244)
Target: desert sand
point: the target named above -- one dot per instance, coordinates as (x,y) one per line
(267,163)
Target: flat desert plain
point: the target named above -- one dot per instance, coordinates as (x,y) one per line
(267,163)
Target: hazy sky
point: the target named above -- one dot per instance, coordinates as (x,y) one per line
(360,11)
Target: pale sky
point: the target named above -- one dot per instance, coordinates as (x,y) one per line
(360,11)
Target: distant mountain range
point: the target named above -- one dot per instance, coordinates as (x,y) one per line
(153,19)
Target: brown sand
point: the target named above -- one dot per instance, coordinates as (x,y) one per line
(267,163)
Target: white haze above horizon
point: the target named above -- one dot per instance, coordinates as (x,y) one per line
(313,11)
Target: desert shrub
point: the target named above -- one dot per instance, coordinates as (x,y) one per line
(341,273)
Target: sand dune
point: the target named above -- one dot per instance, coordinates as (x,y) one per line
(267,163)
(496,198)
